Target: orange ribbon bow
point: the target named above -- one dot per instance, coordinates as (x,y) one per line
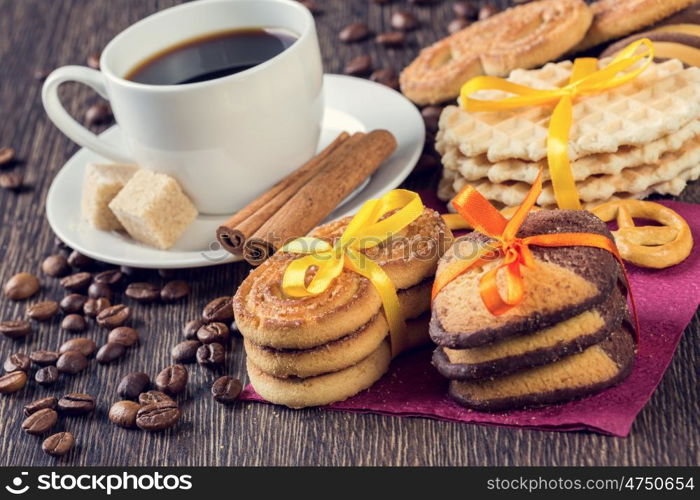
(515,251)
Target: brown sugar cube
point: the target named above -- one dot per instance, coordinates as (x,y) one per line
(101,184)
(153,209)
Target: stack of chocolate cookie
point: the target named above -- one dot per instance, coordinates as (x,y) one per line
(320,349)
(568,338)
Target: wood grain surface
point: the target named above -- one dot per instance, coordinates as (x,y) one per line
(44,34)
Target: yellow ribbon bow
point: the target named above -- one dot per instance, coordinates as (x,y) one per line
(368,228)
(585,79)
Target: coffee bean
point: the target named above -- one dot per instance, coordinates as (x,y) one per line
(114,316)
(191,328)
(17,362)
(487,11)
(60,245)
(211,355)
(80,261)
(312,6)
(172,380)
(167,274)
(7,156)
(99,114)
(404,20)
(55,266)
(385,76)
(226,389)
(77,282)
(144,293)
(47,375)
(465,10)
(391,39)
(11,180)
(40,404)
(76,403)
(12,382)
(133,384)
(123,335)
(150,397)
(426,163)
(174,290)
(185,352)
(457,24)
(43,357)
(112,278)
(131,273)
(73,303)
(15,329)
(354,32)
(358,66)
(58,444)
(74,323)
(158,416)
(431,117)
(21,286)
(40,421)
(99,291)
(93,60)
(214,332)
(219,309)
(71,362)
(94,307)
(123,413)
(43,311)
(110,352)
(83,345)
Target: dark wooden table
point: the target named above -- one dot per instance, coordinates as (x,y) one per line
(44,34)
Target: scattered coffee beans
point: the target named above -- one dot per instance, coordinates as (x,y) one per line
(133,384)
(175,290)
(17,362)
(93,60)
(77,282)
(172,380)
(191,328)
(167,274)
(40,404)
(7,156)
(43,357)
(55,266)
(80,261)
(431,117)
(93,307)
(43,311)
(214,332)
(427,163)
(111,277)
(354,32)
(219,309)
(124,335)
(47,375)
(73,303)
(358,66)
(466,10)
(83,345)
(457,24)
(226,389)
(123,413)
(150,397)
(15,329)
(385,76)
(40,422)
(99,114)
(393,39)
(99,291)
(11,180)
(110,352)
(487,11)
(76,403)
(312,6)
(404,20)
(158,416)
(71,362)
(186,351)
(58,444)
(211,355)
(145,293)
(114,316)
(21,286)
(12,382)
(74,323)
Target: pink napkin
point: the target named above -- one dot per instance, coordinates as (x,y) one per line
(666,300)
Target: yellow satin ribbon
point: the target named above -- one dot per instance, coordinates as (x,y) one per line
(367,229)
(585,79)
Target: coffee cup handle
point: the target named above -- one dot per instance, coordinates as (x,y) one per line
(65,122)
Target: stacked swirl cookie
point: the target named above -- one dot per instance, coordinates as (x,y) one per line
(324,348)
(568,338)
(639,138)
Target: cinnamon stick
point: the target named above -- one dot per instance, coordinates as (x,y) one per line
(346,169)
(233,233)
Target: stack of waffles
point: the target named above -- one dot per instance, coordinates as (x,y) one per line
(627,142)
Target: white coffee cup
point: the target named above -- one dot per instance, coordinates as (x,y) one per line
(225,140)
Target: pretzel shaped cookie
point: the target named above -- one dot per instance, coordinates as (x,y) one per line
(647,246)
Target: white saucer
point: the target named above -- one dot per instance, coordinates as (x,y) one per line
(352,104)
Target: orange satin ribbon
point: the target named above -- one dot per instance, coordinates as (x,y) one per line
(514,251)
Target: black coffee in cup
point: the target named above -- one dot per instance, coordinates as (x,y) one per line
(212,56)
